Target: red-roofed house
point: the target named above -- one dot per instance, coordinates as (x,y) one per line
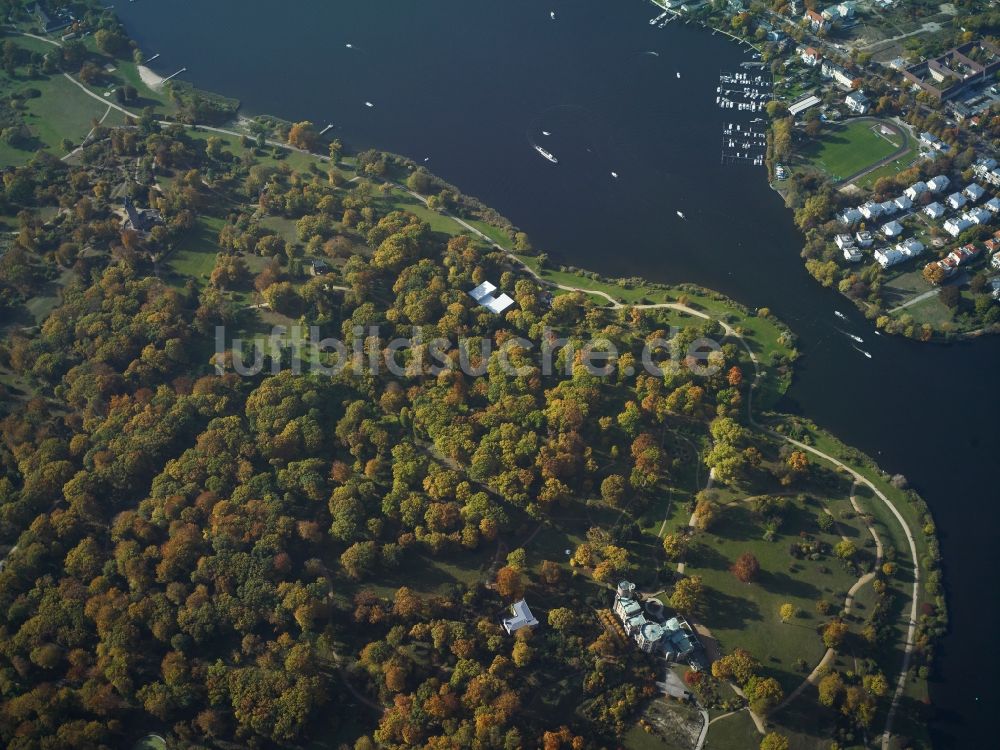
(816,21)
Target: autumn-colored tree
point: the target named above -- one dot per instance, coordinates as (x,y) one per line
(303,135)
(845,549)
(675,545)
(739,666)
(613,490)
(522,654)
(551,572)
(787,612)
(774,741)
(562,618)
(831,689)
(705,512)
(764,694)
(688,595)
(746,568)
(834,633)
(509,583)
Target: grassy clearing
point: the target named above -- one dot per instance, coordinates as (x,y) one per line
(62,111)
(746,615)
(843,150)
(194,256)
(734,732)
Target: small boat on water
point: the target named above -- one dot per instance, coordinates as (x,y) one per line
(615,175)
(681,214)
(546,132)
(349,45)
(546,154)
(678,74)
(369,104)
(840,315)
(552,15)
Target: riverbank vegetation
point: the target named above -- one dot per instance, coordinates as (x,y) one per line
(294,559)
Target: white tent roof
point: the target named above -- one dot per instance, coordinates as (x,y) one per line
(482,290)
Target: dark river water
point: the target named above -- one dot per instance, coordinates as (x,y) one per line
(472,85)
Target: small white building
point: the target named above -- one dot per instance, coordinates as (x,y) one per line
(483,294)
(956,201)
(984,166)
(864,239)
(522,617)
(892,229)
(850,216)
(889,208)
(938,184)
(993,204)
(844,240)
(871,210)
(979,216)
(915,190)
(955,226)
(888,256)
(974,192)
(857,102)
(903,203)
(935,210)
(852,254)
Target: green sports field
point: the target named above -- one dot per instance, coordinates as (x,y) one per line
(844,150)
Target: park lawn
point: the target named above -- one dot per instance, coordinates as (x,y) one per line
(844,150)
(62,111)
(734,732)
(194,255)
(746,615)
(931,310)
(402,200)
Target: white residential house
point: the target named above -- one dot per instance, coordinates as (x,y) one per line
(892,229)
(864,239)
(979,216)
(852,254)
(929,139)
(993,204)
(938,184)
(850,216)
(995,261)
(912,247)
(955,226)
(810,56)
(915,190)
(935,210)
(857,102)
(956,201)
(871,210)
(888,256)
(903,203)
(994,178)
(974,192)
(522,617)
(984,166)
(816,21)
(889,208)
(843,241)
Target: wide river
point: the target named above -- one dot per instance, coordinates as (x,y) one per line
(472,85)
